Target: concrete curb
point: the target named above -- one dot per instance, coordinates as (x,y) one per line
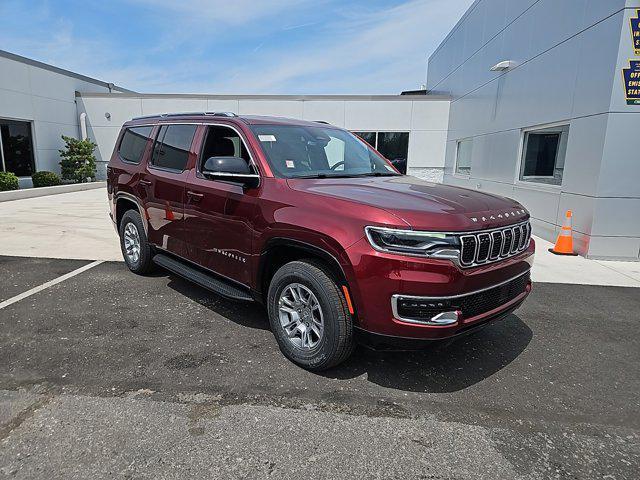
(44,191)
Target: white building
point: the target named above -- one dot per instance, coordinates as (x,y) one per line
(37,106)
(39,103)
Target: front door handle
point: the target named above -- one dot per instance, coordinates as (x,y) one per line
(194,196)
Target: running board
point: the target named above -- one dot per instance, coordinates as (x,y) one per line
(216,285)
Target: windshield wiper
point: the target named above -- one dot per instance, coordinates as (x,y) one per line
(325,175)
(381,174)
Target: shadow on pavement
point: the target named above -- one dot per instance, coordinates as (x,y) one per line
(444,367)
(246,314)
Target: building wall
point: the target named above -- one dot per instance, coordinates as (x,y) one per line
(425,118)
(569,55)
(44,96)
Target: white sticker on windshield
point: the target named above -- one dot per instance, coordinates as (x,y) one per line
(267,138)
(290,164)
(388,167)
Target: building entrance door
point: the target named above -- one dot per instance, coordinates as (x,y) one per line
(16,147)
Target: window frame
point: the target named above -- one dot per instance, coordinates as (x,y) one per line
(150,163)
(34,151)
(457,173)
(519,164)
(246,144)
(151,137)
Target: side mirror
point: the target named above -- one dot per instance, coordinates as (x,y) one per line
(231,169)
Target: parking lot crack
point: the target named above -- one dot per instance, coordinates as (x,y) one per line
(22,416)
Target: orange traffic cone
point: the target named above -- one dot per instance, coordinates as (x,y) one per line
(564,243)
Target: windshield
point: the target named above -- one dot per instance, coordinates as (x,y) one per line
(295,151)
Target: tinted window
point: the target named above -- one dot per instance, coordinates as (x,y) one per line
(223,142)
(172,146)
(369,137)
(17,148)
(134,141)
(543,155)
(395,147)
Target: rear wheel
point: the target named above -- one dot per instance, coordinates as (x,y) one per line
(309,316)
(136,251)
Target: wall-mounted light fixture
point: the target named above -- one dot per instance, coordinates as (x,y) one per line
(502,66)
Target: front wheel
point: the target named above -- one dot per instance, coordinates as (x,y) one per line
(309,316)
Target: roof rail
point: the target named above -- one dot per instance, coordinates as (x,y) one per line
(187,114)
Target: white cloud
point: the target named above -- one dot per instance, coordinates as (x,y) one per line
(385,51)
(347,48)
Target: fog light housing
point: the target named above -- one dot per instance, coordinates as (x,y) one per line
(424,311)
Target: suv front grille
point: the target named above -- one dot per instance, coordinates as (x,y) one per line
(491,245)
(422,309)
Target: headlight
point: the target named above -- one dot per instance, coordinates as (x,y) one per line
(431,244)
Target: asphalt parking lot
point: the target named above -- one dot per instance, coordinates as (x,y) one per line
(108,374)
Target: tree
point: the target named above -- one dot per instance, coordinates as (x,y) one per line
(78,163)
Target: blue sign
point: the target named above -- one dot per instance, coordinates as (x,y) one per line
(631,79)
(635,32)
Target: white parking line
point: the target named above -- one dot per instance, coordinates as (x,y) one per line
(48,284)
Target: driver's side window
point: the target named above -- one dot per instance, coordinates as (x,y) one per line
(222,142)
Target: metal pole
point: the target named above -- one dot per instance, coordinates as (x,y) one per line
(2,151)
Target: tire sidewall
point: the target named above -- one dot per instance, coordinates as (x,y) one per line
(322,354)
(142,265)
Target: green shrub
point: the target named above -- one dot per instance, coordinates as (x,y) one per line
(45,179)
(8,181)
(78,163)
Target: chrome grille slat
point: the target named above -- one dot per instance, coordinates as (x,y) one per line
(516,239)
(488,246)
(468,251)
(496,246)
(484,247)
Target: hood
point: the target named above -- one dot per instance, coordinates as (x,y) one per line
(420,204)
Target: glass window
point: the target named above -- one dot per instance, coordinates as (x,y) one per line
(543,154)
(303,151)
(395,147)
(223,142)
(369,137)
(133,143)
(172,146)
(17,148)
(463,156)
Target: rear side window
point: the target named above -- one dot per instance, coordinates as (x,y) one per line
(172,146)
(134,141)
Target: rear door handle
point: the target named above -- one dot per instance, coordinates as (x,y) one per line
(194,196)
(145,182)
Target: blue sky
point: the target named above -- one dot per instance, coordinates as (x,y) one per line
(235,46)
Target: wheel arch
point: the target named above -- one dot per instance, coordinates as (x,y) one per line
(125,202)
(281,250)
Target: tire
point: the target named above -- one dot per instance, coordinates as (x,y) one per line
(336,343)
(142,263)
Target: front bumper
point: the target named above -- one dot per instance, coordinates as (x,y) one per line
(381,281)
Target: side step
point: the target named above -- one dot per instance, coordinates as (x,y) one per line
(216,285)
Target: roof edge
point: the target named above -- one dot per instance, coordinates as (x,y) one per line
(61,71)
(263,97)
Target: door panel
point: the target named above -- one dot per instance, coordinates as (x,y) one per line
(218,216)
(162,186)
(218,226)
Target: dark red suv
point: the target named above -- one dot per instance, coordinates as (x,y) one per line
(312,222)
